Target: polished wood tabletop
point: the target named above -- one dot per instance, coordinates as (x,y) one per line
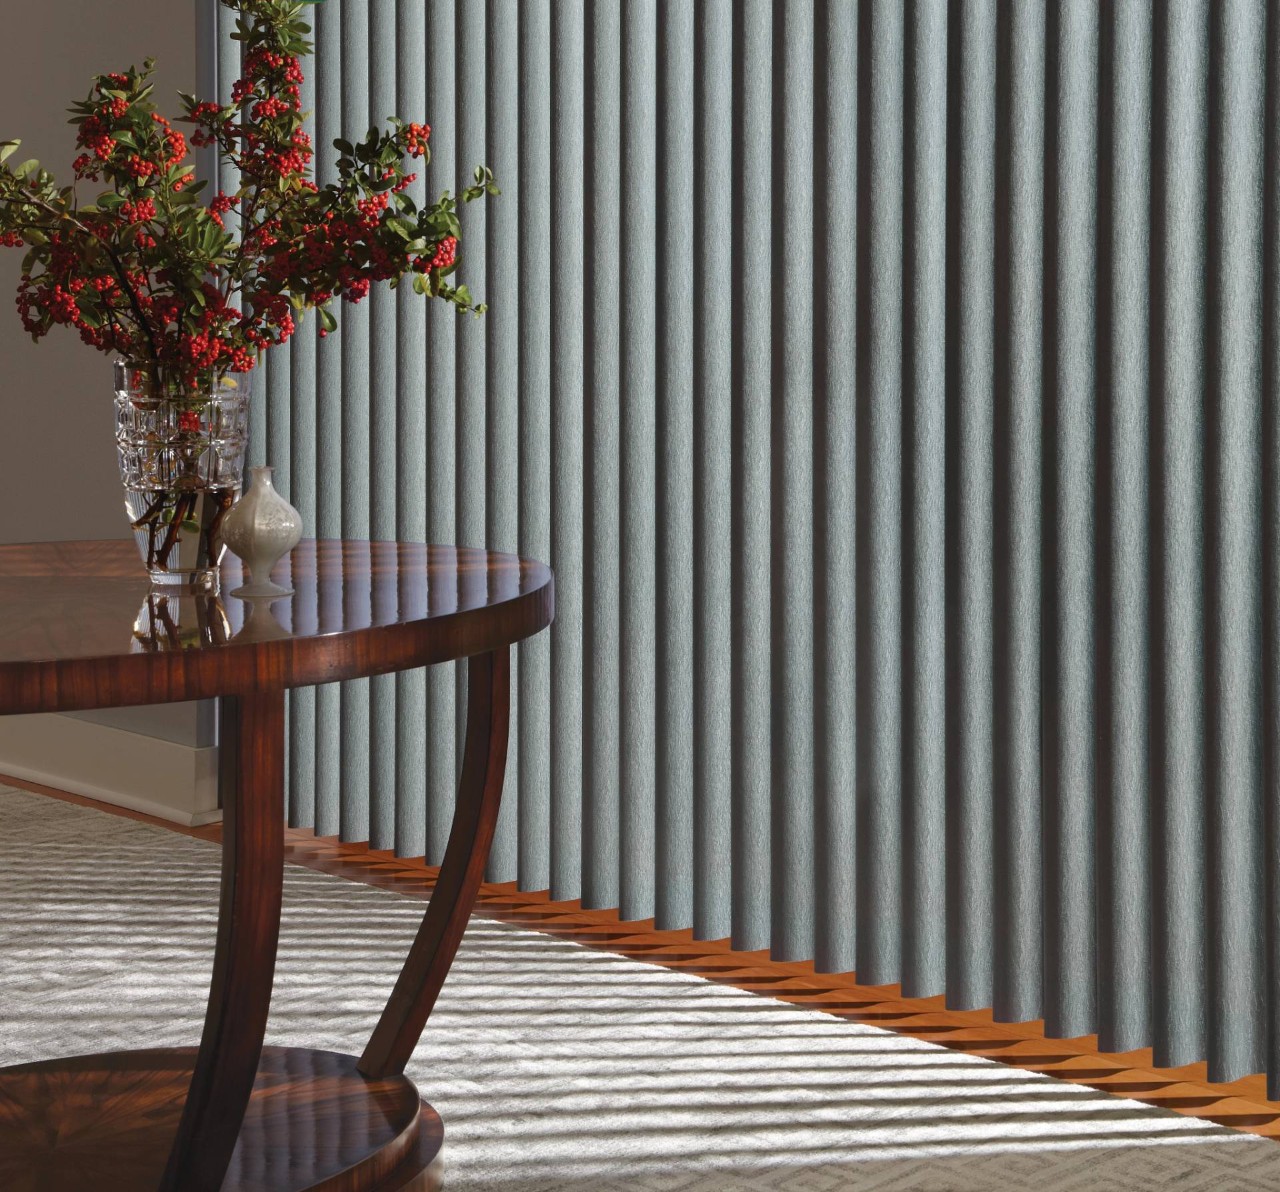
(80,627)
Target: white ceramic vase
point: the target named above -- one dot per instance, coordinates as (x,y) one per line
(261,528)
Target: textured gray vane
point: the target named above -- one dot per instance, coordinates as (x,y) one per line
(895,390)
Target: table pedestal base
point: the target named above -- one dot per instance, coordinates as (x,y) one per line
(107,1122)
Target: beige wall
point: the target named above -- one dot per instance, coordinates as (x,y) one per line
(58,475)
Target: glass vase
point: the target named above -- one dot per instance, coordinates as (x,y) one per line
(181,449)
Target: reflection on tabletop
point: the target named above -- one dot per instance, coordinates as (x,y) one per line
(189,620)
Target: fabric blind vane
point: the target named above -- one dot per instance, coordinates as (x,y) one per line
(889,393)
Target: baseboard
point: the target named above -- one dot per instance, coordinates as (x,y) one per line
(150,775)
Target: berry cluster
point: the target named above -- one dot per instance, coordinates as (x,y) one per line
(446,253)
(264,109)
(371,209)
(95,137)
(46,302)
(139,168)
(140,211)
(219,207)
(415,139)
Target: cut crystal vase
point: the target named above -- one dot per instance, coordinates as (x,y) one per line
(181,450)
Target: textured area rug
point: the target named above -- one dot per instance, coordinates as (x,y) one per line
(556,1066)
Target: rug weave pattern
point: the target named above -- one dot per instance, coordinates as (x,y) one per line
(557,1066)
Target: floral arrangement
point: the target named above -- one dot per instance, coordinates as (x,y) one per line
(188,290)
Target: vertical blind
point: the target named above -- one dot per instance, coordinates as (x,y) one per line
(895,391)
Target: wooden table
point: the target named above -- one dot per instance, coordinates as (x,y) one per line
(79,630)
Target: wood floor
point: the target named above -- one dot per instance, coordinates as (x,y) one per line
(1242,1104)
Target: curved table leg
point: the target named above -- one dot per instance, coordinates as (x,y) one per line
(252,749)
(479,794)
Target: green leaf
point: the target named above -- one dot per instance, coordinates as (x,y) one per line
(30,166)
(7,148)
(327,321)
